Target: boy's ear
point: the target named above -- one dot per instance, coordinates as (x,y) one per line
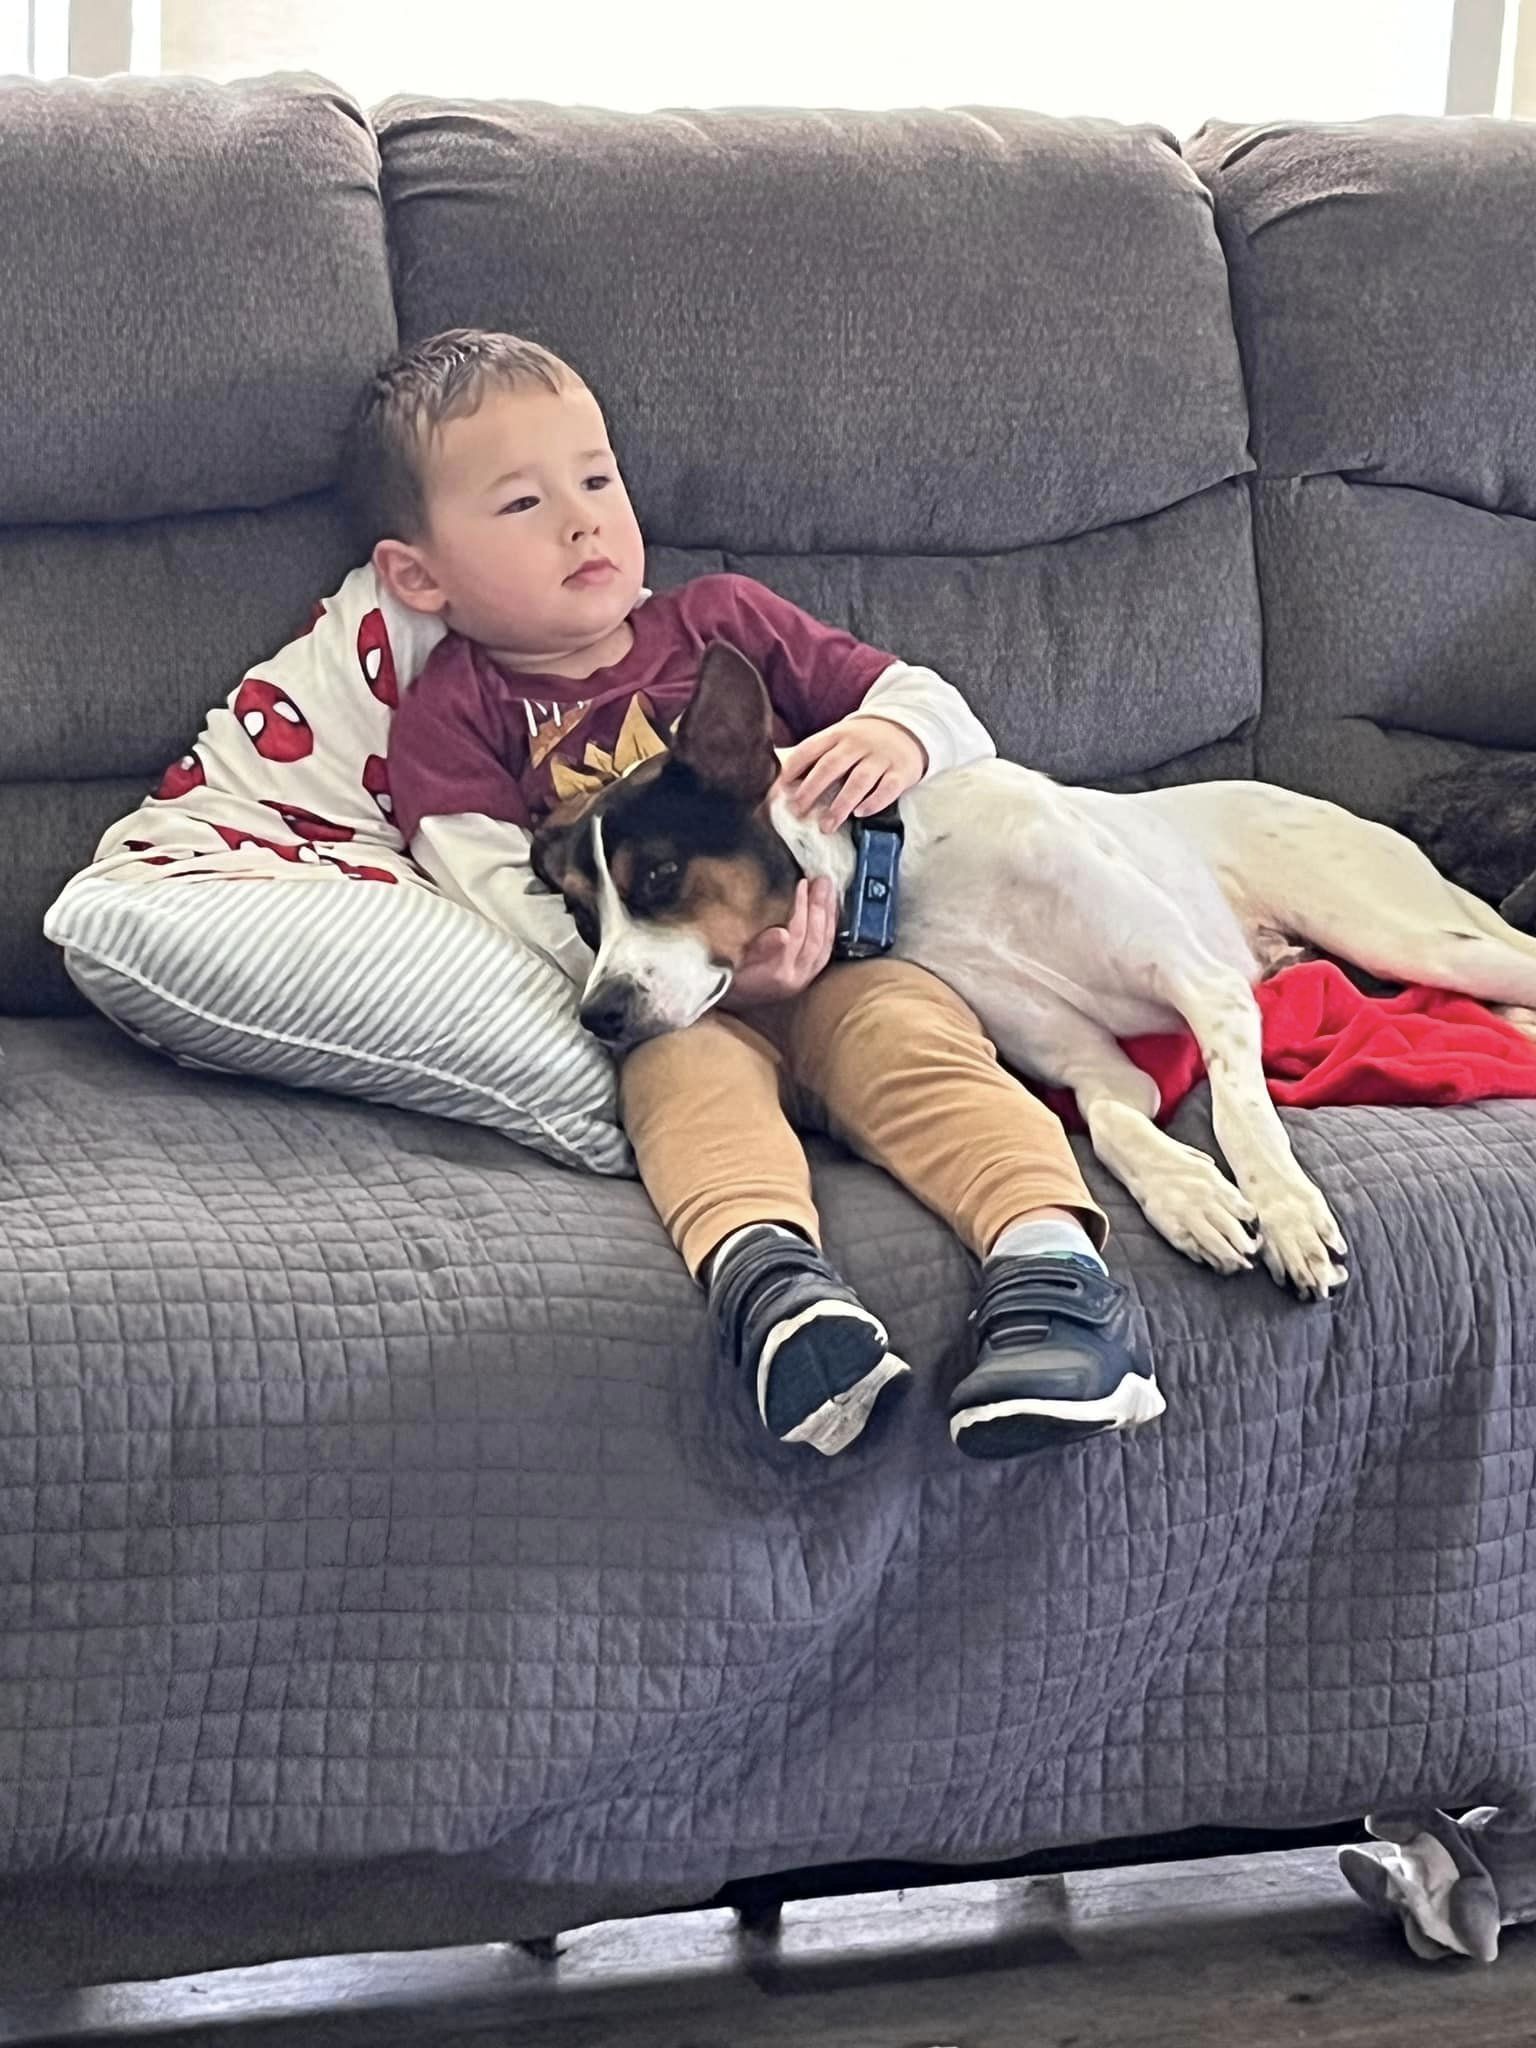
(405,574)
(726,734)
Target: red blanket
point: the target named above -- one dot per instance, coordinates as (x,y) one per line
(1325,1043)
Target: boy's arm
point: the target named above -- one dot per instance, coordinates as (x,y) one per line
(818,675)
(908,725)
(874,726)
(462,811)
(933,711)
(484,864)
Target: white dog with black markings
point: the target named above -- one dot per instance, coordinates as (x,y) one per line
(1067,918)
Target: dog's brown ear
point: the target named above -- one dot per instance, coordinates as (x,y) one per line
(549,855)
(726,734)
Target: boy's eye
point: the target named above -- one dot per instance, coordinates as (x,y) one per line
(597,483)
(520,505)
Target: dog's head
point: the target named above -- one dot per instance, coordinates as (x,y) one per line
(672,872)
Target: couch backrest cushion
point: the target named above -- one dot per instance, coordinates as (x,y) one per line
(196,284)
(1384,290)
(964,381)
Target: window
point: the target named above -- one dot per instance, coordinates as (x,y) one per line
(1172,61)
(15,40)
(34,37)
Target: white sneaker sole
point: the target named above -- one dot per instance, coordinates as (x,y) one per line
(1136,1400)
(836,1423)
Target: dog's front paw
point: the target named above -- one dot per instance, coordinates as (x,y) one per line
(1201,1212)
(1298,1237)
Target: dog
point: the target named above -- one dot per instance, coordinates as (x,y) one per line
(1068,919)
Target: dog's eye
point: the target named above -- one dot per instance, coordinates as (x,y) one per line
(658,883)
(586,926)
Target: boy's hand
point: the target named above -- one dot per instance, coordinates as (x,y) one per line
(780,963)
(874,759)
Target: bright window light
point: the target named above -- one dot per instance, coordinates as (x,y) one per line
(1174,61)
(50,37)
(15,40)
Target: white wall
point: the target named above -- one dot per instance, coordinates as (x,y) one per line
(1174,61)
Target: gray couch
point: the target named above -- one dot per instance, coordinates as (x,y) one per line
(382,1559)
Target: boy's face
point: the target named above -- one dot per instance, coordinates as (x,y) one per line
(532,547)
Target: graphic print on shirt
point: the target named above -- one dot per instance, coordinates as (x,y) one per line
(292,763)
(187,773)
(549,726)
(275,725)
(377,659)
(306,823)
(637,740)
(360,874)
(376,783)
(305,854)
(237,841)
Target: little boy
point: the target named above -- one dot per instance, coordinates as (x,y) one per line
(479,469)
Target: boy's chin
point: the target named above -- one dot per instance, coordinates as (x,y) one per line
(594,613)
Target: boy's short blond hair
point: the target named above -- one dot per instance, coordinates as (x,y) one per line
(383,465)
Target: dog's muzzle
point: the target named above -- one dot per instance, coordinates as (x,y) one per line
(621,1014)
(607,1012)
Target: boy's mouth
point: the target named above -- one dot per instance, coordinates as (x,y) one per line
(596,571)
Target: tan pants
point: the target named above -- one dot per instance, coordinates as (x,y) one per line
(882,1055)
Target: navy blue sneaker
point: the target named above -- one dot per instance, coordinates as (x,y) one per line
(1051,1364)
(818,1359)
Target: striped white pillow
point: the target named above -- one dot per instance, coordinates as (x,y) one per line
(393,994)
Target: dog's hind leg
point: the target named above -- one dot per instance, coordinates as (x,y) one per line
(1365,894)
(1298,1234)
(1520,1015)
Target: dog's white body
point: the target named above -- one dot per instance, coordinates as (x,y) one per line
(1069,918)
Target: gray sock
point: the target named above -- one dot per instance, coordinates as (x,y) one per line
(1051,1238)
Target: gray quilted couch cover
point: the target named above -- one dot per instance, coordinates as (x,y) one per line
(382,1558)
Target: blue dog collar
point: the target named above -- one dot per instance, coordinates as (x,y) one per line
(866,925)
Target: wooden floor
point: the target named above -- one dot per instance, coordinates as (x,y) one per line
(1251,1952)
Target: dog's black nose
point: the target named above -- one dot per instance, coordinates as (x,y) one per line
(605,1014)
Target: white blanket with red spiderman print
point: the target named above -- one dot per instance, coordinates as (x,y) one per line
(287,777)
